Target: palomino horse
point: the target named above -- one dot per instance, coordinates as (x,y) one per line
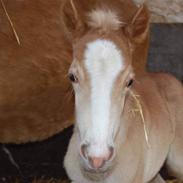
(126,127)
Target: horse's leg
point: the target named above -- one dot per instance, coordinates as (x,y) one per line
(157,179)
(71,162)
(175,157)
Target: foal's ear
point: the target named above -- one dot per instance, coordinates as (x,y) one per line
(72,17)
(138,29)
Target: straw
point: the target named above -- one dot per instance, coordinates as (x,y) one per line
(11,23)
(140,111)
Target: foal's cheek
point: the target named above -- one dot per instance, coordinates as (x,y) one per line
(83,114)
(121,99)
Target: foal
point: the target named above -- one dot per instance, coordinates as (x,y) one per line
(126,127)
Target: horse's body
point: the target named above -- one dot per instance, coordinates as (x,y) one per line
(127,126)
(161,97)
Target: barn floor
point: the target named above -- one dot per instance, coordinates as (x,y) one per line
(60,181)
(66,181)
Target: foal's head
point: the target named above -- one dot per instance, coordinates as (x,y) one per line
(101,74)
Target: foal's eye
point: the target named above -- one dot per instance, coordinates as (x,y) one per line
(73,78)
(129,83)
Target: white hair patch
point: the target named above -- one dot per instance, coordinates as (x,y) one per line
(103,61)
(104,19)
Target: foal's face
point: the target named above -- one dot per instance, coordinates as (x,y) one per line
(101,75)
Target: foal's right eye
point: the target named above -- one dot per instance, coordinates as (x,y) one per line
(129,83)
(73,78)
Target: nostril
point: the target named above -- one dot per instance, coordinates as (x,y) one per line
(111,153)
(84,150)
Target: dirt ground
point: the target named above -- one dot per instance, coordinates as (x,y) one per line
(65,181)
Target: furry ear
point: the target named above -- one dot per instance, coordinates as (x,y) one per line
(72,17)
(138,29)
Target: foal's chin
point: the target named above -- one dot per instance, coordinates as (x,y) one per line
(99,174)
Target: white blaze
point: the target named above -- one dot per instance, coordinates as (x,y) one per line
(103,61)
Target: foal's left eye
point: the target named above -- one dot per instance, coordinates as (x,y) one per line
(129,83)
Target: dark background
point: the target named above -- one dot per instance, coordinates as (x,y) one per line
(166,49)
